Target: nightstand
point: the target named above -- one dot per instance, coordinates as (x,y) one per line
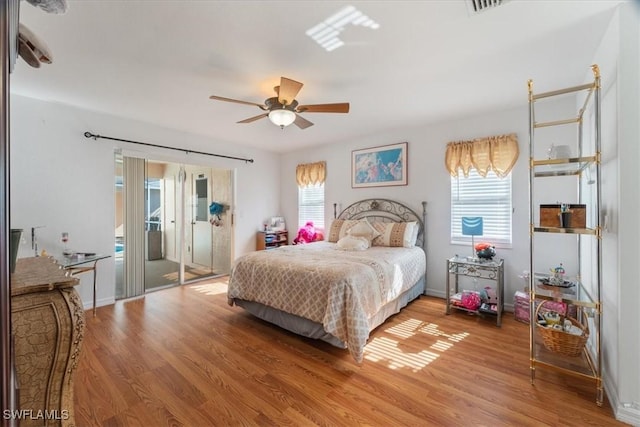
(271,239)
(491,270)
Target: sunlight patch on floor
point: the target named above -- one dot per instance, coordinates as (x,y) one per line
(405,329)
(211,288)
(441,345)
(383,349)
(173,276)
(432,329)
(190,273)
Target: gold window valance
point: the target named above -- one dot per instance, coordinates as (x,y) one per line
(497,153)
(311,173)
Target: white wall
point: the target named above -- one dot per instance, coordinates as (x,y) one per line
(623,349)
(65,182)
(619,60)
(607,58)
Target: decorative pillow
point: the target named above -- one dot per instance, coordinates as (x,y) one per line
(353,243)
(334,230)
(396,234)
(363,229)
(339,228)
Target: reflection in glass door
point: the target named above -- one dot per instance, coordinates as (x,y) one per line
(119,226)
(222,225)
(162,264)
(200,226)
(210,234)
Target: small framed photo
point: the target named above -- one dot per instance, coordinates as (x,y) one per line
(278,224)
(379,166)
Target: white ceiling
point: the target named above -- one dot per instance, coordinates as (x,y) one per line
(158,62)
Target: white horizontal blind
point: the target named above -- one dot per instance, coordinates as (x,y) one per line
(311,205)
(489,198)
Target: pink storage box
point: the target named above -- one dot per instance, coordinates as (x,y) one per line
(521,306)
(559,307)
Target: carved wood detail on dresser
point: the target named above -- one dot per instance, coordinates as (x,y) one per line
(48,327)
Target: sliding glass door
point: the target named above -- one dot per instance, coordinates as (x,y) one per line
(165,234)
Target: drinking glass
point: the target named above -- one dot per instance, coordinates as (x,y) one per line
(65,239)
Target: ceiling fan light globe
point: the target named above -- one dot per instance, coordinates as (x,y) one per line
(282,117)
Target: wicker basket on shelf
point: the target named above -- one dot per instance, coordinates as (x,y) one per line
(561,342)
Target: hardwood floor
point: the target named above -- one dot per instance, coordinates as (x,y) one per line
(183,356)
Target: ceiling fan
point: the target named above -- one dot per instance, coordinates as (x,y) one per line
(283,109)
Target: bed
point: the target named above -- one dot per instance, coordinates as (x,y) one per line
(324,290)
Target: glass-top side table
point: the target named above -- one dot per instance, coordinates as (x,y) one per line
(490,270)
(77,263)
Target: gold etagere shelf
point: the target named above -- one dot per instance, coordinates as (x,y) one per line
(562,167)
(566,230)
(585,300)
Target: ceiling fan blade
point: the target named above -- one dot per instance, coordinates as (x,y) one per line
(288,90)
(301,122)
(342,107)
(253,119)
(237,101)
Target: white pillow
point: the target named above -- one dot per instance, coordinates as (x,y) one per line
(414,236)
(363,229)
(353,243)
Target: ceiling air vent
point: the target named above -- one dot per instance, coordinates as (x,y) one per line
(477,6)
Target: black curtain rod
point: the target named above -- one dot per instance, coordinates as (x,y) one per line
(95,137)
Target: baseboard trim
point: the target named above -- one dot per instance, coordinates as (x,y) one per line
(625,412)
(88,305)
(628,415)
(434,293)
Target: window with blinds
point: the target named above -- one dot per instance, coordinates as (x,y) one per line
(489,198)
(311,205)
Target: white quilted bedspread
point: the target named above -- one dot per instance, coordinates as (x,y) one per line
(340,289)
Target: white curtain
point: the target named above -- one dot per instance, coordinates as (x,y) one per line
(133,195)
